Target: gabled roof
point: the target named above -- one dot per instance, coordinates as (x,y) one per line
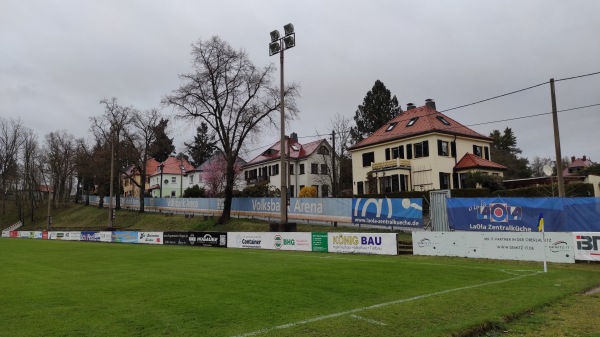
(576,165)
(171,166)
(218,155)
(417,121)
(471,161)
(296,151)
(151,166)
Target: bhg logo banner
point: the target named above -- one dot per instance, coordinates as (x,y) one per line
(388,211)
(587,246)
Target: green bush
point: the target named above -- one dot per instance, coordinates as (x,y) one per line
(194,192)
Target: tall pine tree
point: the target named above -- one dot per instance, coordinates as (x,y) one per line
(163,146)
(378,108)
(203,146)
(504,151)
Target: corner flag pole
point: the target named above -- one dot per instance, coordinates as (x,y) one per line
(542,229)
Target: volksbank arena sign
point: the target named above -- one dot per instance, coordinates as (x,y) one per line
(369,211)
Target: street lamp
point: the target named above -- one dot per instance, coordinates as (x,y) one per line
(160,167)
(278,45)
(182,168)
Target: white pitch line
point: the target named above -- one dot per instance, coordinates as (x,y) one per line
(376,306)
(372,321)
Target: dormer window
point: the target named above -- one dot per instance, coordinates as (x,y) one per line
(323,150)
(412,121)
(443,120)
(391,126)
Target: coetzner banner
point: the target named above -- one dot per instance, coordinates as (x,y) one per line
(522,214)
(388,212)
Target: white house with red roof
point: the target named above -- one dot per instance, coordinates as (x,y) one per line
(309,165)
(167,180)
(421,149)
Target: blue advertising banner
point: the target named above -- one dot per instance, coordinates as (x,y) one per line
(523,214)
(388,212)
(89,236)
(311,206)
(125,237)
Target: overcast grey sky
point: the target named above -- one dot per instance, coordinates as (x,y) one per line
(58,59)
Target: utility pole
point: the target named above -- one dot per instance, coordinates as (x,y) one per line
(334,181)
(49,202)
(112,176)
(559,168)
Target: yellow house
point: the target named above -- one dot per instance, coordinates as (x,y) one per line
(419,150)
(131,179)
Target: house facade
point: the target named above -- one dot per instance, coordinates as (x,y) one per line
(131,179)
(309,164)
(167,180)
(419,150)
(210,175)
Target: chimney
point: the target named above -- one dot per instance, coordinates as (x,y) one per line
(410,106)
(572,159)
(584,158)
(294,136)
(430,103)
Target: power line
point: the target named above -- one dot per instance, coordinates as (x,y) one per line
(520,90)
(574,77)
(491,98)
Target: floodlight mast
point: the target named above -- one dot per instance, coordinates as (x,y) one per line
(278,45)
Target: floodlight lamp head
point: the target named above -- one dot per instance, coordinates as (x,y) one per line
(289,41)
(274,48)
(274,35)
(289,29)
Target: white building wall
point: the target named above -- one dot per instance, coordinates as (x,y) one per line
(424,172)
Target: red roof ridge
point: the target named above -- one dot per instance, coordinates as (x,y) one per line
(470,160)
(427,120)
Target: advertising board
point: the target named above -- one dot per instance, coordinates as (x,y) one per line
(558,247)
(5,234)
(200,239)
(587,246)
(14,234)
(90,236)
(388,212)
(522,214)
(105,236)
(176,238)
(125,237)
(53,235)
(153,238)
(319,242)
(37,235)
(207,239)
(271,240)
(363,243)
(72,236)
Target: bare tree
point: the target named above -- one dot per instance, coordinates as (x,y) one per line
(537,166)
(138,141)
(338,174)
(108,128)
(31,172)
(10,142)
(60,156)
(230,94)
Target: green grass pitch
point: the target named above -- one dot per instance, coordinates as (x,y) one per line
(57,288)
